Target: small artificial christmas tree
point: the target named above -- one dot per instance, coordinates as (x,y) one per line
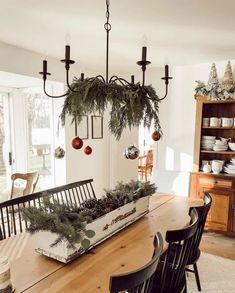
(227,82)
(213,81)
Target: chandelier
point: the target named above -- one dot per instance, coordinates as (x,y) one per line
(112,89)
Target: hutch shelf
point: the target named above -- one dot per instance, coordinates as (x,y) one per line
(221,187)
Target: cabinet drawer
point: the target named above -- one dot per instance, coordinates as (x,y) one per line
(213,182)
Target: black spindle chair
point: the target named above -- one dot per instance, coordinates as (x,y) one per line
(139,281)
(170,273)
(195,251)
(11,221)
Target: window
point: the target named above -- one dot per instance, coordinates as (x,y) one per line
(40,137)
(5,151)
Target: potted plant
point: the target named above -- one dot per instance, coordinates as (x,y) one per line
(65,232)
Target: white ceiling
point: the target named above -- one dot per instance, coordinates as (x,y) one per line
(179,32)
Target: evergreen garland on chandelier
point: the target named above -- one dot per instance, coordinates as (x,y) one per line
(131,104)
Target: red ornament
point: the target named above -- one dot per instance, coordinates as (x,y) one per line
(156,135)
(77,143)
(88,150)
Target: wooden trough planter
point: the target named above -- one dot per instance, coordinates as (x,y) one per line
(104,228)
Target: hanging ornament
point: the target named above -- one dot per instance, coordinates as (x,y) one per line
(213,77)
(59,153)
(131,152)
(227,82)
(77,143)
(156,135)
(88,150)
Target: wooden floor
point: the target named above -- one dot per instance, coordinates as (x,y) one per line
(218,244)
(213,243)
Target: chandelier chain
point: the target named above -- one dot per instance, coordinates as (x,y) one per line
(107,27)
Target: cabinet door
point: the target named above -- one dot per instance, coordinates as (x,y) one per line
(233,214)
(217,218)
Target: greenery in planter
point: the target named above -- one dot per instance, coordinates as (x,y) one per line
(130,105)
(58,218)
(69,222)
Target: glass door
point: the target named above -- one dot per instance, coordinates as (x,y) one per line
(5,144)
(40,136)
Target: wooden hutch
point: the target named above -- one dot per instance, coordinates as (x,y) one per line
(221,187)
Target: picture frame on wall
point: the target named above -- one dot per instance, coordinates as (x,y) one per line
(83,128)
(96,127)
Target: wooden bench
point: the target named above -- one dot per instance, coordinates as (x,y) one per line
(11,221)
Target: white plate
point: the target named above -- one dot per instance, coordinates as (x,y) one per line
(229,171)
(208,140)
(215,148)
(211,144)
(230,166)
(208,137)
(207,148)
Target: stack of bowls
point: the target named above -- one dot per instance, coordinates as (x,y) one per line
(207,142)
(230,167)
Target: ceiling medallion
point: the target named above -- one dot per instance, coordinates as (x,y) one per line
(131,103)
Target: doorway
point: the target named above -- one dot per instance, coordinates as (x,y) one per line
(5,142)
(146,147)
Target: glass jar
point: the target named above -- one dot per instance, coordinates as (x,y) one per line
(5,275)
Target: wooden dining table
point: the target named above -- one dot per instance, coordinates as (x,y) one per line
(127,250)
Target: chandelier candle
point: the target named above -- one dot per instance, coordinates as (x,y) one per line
(144,53)
(67,53)
(44,66)
(166,71)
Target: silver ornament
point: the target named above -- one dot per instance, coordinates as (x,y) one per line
(132,152)
(59,153)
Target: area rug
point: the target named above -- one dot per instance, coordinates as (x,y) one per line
(217,275)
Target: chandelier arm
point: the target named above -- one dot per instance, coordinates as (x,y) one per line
(165,94)
(101,77)
(115,78)
(67,82)
(143,81)
(50,96)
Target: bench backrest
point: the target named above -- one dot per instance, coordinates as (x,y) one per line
(11,221)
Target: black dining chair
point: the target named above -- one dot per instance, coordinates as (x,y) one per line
(170,274)
(195,251)
(140,280)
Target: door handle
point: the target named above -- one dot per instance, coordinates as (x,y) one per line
(10,158)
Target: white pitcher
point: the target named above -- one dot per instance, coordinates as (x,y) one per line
(217,166)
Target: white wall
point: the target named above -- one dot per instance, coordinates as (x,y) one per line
(174,152)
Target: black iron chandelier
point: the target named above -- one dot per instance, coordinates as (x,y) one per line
(132,103)
(67,61)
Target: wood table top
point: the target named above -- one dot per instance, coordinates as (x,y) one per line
(127,250)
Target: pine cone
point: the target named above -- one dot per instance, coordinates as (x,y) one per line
(90,203)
